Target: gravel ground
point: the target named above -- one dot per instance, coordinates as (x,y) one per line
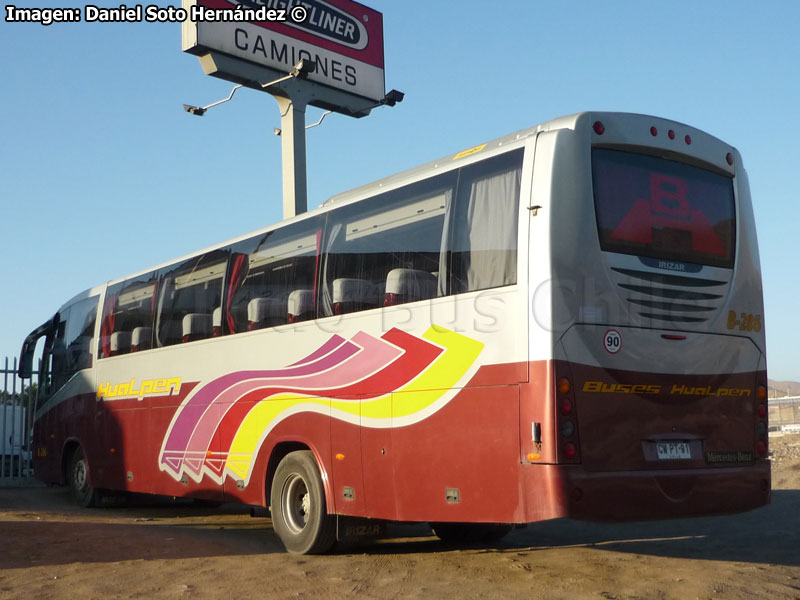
(52,549)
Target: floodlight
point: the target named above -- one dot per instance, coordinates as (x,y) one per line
(303,68)
(393,98)
(201,110)
(194,110)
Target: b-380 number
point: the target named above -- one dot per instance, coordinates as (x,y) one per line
(745,322)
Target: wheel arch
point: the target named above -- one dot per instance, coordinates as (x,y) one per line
(285,447)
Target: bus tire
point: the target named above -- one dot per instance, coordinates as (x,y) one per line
(78,480)
(297,504)
(470,532)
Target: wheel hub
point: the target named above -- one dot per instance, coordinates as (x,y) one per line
(296,503)
(80,475)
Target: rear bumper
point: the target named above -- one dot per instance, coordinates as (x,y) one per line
(633,495)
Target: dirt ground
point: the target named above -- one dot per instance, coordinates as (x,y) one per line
(50,549)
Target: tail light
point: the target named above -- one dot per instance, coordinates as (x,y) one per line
(566,407)
(762,415)
(570,451)
(566,421)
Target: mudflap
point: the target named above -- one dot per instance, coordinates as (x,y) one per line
(357,529)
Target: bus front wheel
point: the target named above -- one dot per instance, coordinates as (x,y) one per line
(297,504)
(78,479)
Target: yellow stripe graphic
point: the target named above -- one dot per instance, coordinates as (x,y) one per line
(460,352)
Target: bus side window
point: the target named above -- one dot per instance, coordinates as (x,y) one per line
(393,240)
(484,239)
(273,267)
(188,294)
(127,321)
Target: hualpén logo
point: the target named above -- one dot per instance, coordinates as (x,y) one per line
(324,20)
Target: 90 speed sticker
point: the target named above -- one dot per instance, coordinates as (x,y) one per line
(612,341)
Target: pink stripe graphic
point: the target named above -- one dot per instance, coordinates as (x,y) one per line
(374,354)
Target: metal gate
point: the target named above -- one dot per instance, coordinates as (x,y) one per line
(17,405)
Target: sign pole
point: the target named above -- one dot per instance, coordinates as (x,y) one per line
(322,53)
(293,150)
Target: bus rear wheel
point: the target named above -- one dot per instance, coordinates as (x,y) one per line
(470,532)
(297,504)
(78,479)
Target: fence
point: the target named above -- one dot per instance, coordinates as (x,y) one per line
(784,412)
(17,405)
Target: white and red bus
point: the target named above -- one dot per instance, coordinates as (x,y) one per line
(564,322)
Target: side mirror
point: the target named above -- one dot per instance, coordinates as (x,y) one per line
(25,369)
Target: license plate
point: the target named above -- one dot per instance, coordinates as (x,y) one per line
(673,450)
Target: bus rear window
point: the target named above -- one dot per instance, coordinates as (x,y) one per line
(658,208)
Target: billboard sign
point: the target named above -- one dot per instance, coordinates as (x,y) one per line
(344,38)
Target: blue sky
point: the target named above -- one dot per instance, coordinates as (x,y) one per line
(104,174)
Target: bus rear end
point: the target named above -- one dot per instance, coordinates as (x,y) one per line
(658,403)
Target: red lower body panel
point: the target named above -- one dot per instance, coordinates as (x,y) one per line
(638,495)
(476,458)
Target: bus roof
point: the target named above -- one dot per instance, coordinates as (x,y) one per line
(457,159)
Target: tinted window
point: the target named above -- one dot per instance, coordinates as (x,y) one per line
(272,278)
(188,295)
(127,324)
(654,207)
(386,250)
(71,345)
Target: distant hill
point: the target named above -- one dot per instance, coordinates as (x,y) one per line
(783,388)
